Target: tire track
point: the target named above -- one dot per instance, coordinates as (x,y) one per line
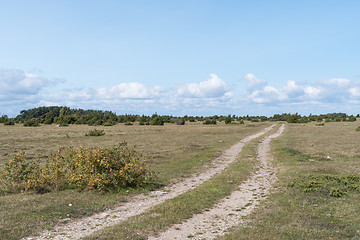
(138,204)
(230,211)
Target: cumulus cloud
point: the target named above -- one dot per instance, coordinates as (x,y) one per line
(214,87)
(335,91)
(19,82)
(355,92)
(338,82)
(254,83)
(131,90)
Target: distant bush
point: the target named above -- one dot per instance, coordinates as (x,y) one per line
(158,120)
(358,128)
(9,122)
(103,169)
(128,124)
(108,124)
(228,120)
(95,133)
(31,123)
(352,119)
(180,121)
(241,122)
(209,121)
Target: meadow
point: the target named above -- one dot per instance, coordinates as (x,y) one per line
(316,196)
(171,151)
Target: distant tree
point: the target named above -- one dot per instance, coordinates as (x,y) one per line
(228,119)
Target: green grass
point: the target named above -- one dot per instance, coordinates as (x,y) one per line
(184,206)
(307,204)
(171,151)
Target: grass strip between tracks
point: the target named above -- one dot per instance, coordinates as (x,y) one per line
(182,207)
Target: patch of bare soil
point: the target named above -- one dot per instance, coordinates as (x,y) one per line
(232,210)
(75,229)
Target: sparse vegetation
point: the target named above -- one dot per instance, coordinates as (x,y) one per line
(209,121)
(102,169)
(318,188)
(95,133)
(184,153)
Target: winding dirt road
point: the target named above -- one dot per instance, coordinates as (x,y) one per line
(230,211)
(138,204)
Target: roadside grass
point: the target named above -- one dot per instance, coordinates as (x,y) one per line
(171,151)
(182,207)
(317,197)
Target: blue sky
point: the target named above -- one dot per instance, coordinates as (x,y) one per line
(181,57)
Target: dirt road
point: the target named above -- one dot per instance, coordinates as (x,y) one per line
(138,204)
(230,211)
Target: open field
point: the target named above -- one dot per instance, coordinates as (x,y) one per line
(316,196)
(172,151)
(306,204)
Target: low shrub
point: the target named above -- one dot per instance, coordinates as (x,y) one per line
(9,122)
(102,169)
(228,119)
(158,120)
(31,123)
(108,124)
(180,121)
(128,124)
(358,128)
(209,121)
(95,133)
(334,186)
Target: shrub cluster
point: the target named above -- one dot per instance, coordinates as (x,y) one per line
(333,186)
(95,133)
(102,169)
(209,121)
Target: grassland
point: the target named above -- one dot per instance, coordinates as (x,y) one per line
(303,206)
(314,161)
(171,151)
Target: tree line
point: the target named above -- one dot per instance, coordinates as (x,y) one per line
(64,116)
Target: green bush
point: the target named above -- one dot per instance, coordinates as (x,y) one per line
(180,121)
(330,185)
(228,120)
(209,121)
(31,123)
(108,124)
(102,169)
(95,133)
(358,128)
(9,122)
(128,124)
(158,120)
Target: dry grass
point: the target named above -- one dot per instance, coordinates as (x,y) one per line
(296,213)
(172,151)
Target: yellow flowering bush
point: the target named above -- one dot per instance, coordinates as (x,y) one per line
(102,168)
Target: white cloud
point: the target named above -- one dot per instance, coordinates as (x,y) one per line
(312,92)
(214,87)
(254,83)
(132,90)
(355,91)
(19,82)
(338,82)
